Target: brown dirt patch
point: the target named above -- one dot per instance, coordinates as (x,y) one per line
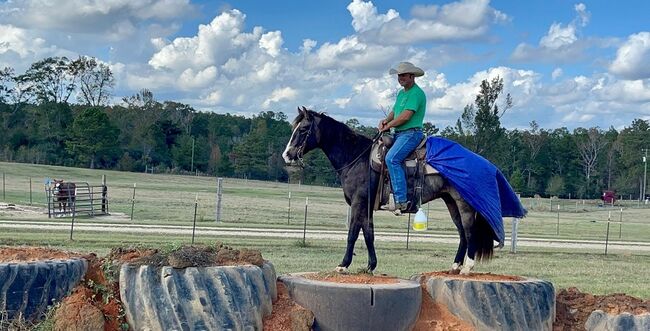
(475,276)
(574,307)
(78,313)
(436,317)
(362,278)
(28,254)
(287,314)
(187,256)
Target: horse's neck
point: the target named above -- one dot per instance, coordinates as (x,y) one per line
(343,148)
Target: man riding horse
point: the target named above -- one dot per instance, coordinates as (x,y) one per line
(406,118)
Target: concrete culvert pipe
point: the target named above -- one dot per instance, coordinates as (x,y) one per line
(337,306)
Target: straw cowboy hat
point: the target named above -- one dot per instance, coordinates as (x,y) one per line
(406,68)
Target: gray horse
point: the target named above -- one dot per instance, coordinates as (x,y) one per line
(349,154)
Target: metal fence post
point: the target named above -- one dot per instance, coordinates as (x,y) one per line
(30,191)
(304,229)
(4,197)
(558,219)
(196,204)
(289,209)
(408,231)
(133,201)
(219,196)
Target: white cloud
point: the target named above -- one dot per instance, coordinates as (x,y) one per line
(561,43)
(557,73)
(214,44)
(281,94)
(462,20)
(558,36)
(271,42)
(523,84)
(191,79)
(91,16)
(365,17)
(633,58)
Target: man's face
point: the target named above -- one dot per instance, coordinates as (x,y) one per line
(406,80)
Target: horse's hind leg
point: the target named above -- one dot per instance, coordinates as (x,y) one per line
(468,218)
(462,245)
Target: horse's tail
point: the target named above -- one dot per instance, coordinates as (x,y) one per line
(483,238)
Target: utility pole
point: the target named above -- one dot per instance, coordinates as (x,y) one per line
(645,172)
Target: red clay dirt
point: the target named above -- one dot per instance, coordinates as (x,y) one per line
(287,315)
(335,277)
(29,254)
(572,307)
(474,276)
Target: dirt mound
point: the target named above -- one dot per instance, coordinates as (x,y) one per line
(574,307)
(474,276)
(77,312)
(360,278)
(436,317)
(187,256)
(27,254)
(288,315)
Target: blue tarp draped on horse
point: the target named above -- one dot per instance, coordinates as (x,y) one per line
(478,181)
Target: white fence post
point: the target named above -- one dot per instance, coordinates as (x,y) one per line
(513,235)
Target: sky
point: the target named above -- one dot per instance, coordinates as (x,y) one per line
(565,64)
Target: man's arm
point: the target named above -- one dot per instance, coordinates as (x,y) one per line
(401,119)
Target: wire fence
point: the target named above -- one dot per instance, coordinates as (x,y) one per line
(228,202)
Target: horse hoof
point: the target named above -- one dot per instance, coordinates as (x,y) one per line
(465,271)
(454,271)
(341,270)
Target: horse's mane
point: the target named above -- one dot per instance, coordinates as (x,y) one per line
(340,127)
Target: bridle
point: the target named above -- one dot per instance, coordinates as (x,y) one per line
(301,149)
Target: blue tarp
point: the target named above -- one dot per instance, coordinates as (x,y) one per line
(477,180)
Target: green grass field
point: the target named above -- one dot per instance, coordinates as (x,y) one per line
(169,200)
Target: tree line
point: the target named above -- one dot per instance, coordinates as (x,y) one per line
(57,112)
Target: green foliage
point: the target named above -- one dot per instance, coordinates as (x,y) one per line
(40,126)
(555,186)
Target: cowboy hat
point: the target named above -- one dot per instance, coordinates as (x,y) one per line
(406,68)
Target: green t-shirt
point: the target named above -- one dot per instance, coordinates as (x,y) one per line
(413,99)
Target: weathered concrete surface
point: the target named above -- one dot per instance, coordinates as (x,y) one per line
(28,288)
(496,305)
(211,298)
(377,307)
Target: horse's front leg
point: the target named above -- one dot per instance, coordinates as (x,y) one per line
(353,234)
(369,237)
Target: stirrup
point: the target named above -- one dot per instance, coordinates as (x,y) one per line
(390,206)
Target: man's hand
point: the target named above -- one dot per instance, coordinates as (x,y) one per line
(383,125)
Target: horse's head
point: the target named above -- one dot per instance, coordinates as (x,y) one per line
(303,138)
(57,183)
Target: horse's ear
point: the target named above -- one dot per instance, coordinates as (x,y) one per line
(299,110)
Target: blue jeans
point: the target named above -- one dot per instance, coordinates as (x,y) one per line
(405,143)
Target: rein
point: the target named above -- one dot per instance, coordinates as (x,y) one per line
(356,159)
